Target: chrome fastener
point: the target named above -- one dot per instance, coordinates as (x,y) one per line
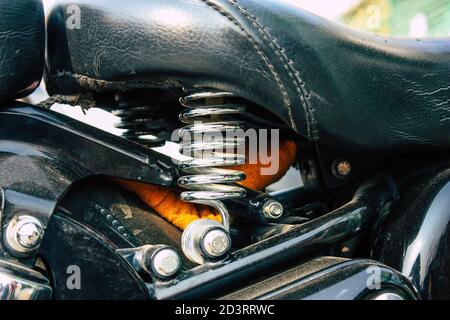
(272,209)
(166,262)
(161,261)
(24,234)
(341,168)
(215,243)
(205,240)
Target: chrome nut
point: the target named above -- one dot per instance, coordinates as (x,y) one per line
(272,209)
(24,234)
(215,243)
(341,168)
(160,261)
(165,262)
(205,240)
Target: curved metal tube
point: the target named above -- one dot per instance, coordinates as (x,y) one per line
(338,225)
(20,283)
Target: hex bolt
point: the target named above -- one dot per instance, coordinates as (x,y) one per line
(342,168)
(215,243)
(166,262)
(29,235)
(272,209)
(205,240)
(24,234)
(161,261)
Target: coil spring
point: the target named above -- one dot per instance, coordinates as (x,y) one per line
(141,124)
(208,185)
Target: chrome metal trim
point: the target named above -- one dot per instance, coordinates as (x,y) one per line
(190,100)
(19,283)
(18,230)
(166,262)
(2,205)
(388,296)
(194,241)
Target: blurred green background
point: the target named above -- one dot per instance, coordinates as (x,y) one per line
(406,18)
(413,18)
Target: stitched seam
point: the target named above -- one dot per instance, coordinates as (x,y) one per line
(288,64)
(289,67)
(261,54)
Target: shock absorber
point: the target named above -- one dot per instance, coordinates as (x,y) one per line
(142,122)
(204,139)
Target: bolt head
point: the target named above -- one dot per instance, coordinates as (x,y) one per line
(29,235)
(216,243)
(166,262)
(342,169)
(272,209)
(205,240)
(24,234)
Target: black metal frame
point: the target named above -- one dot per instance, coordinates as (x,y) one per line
(42,153)
(330,278)
(415,238)
(338,225)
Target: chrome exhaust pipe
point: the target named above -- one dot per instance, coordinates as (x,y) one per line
(20,283)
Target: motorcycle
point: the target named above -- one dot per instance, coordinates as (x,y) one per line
(86,214)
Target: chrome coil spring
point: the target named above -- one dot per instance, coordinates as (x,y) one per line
(207,184)
(140,124)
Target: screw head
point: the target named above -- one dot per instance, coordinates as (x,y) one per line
(273,209)
(166,262)
(342,168)
(216,242)
(205,240)
(24,234)
(29,235)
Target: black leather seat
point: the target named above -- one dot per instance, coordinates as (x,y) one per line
(342,88)
(22,46)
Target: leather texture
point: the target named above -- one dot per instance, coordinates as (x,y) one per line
(341,88)
(22,47)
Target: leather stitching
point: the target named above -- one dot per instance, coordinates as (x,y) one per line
(288,64)
(261,54)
